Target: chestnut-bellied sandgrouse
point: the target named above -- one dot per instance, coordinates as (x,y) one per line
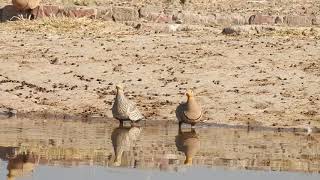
(189,112)
(123,109)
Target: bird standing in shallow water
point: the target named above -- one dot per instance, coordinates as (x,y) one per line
(124,109)
(189,112)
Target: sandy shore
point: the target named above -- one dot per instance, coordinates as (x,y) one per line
(71,67)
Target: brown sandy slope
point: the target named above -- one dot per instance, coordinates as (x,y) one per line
(72,66)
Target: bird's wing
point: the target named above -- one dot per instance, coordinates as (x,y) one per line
(118,113)
(133,112)
(179,111)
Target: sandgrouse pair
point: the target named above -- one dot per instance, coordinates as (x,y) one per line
(123,109)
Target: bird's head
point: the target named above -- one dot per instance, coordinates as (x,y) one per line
(189,93)
(119,87)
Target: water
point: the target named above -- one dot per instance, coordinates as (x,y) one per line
(72,149)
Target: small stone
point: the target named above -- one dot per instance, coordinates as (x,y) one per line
(230,31)
(45,11)
(54,61)
(261,19)
(298,20)
(316,20)
(76,12)
(125,14)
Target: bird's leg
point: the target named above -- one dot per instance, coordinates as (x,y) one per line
(180,128)
(193,130)
(29,14)
(133,123)
(121,124)
(193,126)
(180,124)
(248,127)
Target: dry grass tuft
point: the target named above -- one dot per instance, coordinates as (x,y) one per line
(65,25)
(80,2)
(298,32)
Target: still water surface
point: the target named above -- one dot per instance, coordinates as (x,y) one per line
(67,149)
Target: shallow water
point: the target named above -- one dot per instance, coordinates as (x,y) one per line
(72,149)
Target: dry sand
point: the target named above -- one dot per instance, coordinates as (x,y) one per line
(72,66)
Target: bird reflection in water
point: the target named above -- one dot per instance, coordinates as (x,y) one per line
(188,143)
(123,140)
(21,165)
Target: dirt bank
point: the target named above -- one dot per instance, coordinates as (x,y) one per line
(72,66)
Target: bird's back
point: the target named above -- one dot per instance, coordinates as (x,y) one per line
(25,4)
(179,112)
(133,112)
(124,109)
(119,108)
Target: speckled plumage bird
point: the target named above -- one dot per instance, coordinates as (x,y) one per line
(189,112)
(189,144)
(22,5)
(123,139)
(124,109)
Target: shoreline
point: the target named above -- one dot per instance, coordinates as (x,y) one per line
(46,116)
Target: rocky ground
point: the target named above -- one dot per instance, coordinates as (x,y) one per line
(286,7)
(264,75)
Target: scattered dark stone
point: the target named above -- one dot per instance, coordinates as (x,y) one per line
(54,61)
(230,31)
